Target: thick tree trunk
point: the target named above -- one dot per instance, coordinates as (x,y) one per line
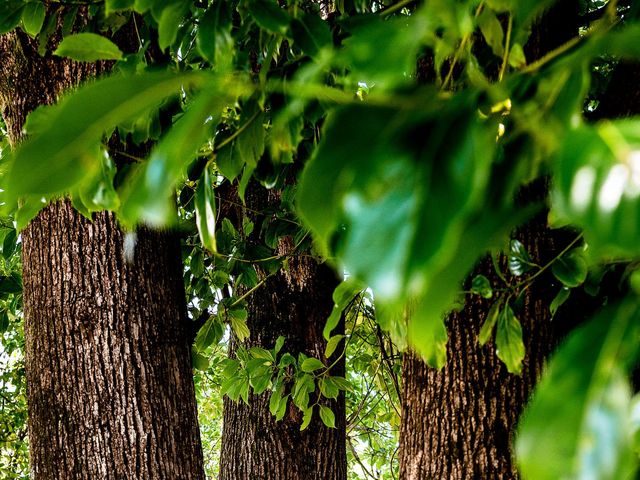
(295,304)
(458,422)
(108,364)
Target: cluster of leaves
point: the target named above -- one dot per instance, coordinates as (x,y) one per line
(303,380)
(408,187)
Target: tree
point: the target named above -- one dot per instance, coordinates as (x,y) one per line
(404,187)
(108,362)
(293,304)
(459,421)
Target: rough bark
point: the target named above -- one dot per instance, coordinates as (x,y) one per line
(108,364)
(294,303)
(458,422)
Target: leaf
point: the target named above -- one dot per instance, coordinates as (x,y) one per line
(578,418)
(199,361)
(558,300)
(205,203)
(211,332)
(61,156)
(482,286)
(10,15)
(332,344)
(516,56)
(597,186)
(571,269)
(492,31)
(240,328)
(311,365)
(519,259)
(509,346)
(311,33)
(269,15)
(489,323)
(148,195)
(306,418)
(327,416)
(214,40)
(169,22)
(328,388)
(88,47)
(9,244)
(279,344)
(33,17)
(115,5)
(343,294)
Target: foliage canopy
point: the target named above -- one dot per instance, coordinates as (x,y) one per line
(405,186)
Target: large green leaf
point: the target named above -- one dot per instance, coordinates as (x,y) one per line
(403,215)
(214,39)
(597,185)
(10,15)
(61,156)
(509,345)
(269,15)
(88,47)
(33,17)
(578,422)
(205,204)
(147,196)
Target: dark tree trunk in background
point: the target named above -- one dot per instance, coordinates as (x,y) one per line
(108,364)
(458,422)
(295,304)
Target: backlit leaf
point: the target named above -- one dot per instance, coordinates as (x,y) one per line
(88,47)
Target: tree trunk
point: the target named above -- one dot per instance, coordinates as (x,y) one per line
(458,422)
(295,304)
(108,363)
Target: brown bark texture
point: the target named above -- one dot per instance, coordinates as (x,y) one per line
(458,422)
(293,303)
(108,363)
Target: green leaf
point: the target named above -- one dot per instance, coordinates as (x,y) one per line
(33,17)
(240,328)
(169,22)
(519,259)
(327,416)
(492,31)
(516,56)
(199,361)
(578,418)
(328,388)
(261,353)
(509,346)
(306,418)
(311,365)
(205,203)
(61,156)
(571,269)
(558,300)
(482,286)
(489,323)
(596,186)
(332,344)
(115,5)
(9,244)
(214,40)
(211,332)
(88,47)
(311,33)
(148,196)
(279,344)
(269,15)
(10,15)
(343,294)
